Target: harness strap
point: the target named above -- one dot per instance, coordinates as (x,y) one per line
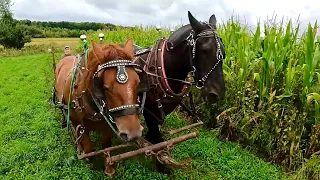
(128,111)
(105,117)
(162,113)
(164,81)
(71,88)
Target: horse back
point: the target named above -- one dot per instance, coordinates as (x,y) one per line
(63,75)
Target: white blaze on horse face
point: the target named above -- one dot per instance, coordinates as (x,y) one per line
(129,91)
(129,126)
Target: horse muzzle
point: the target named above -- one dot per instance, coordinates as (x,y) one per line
(213,95)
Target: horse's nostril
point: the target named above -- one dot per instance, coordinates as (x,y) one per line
(124,136)
(213,97)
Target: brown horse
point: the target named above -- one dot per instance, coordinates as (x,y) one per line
(106,85)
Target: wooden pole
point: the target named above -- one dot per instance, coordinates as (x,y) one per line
(82,156)
(53,60)
(185,128)
(154,147)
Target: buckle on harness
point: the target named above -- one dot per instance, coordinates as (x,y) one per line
(159,103)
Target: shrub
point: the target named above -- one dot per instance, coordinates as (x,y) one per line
(12,33)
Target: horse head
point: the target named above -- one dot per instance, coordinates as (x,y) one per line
(208,53)
(115,84)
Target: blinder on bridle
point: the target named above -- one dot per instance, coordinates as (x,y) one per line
(192,40)
(122,78)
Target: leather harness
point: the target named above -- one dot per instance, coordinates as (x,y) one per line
(160,90)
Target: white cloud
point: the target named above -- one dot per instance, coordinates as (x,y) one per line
(58,10)
(164,12)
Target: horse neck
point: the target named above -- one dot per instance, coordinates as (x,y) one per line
(177,64)
(84,78)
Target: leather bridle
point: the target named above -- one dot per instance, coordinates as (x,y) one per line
(121,77)
(191,42)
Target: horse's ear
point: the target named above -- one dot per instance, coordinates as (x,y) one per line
(213,20)
(97,50)
(195,24)
(128,47)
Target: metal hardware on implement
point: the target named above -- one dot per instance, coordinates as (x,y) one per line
(145,148)
(154,147)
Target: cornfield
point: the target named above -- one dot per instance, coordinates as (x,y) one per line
(273,81)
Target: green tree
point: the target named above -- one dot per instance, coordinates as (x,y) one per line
(13,34)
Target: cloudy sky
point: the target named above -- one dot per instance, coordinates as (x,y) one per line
(164,12)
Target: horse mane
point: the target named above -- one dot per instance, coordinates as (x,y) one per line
(179,35)
(114,51)
(111,52)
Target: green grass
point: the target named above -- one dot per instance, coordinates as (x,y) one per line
(72,42)
(43,45)
(34,146)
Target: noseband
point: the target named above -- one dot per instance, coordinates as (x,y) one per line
(122,78)
(192,40)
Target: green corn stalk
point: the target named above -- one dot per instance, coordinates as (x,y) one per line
(256,76)
(287,36)
(266,64)
(318,74)
(282,49)
(316,98)
(289,81)
(243,59)
(309,56)
(288,44)
(311,60)
(279,50)
(256,39)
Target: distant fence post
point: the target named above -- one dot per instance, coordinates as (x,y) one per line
(53,59)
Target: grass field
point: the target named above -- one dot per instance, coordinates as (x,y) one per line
(34,146)
(72,42)
(42,45)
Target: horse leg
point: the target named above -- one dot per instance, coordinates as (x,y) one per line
(153,135)
(152,116)
(87,148)
(106,142)
(64,122)
(86,142)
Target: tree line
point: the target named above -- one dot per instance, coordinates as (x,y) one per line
(43,29)
(69,25)
(15,33)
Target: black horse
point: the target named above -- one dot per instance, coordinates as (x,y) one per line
(195,48)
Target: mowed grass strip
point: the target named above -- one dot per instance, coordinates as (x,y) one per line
(59,42)
(34,146)
(72,42)
(43,45)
